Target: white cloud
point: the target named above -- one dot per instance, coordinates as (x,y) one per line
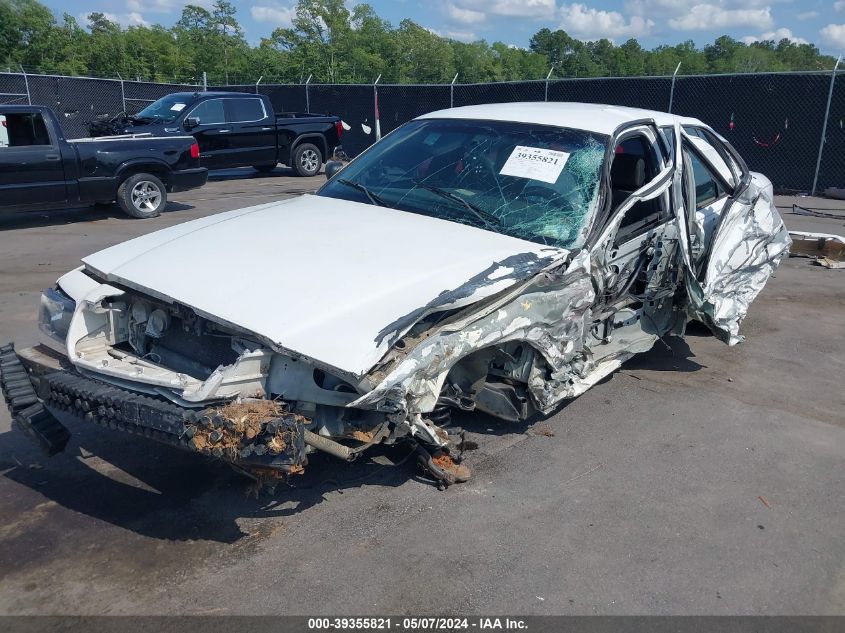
(834,36)
(464,16)
(461,36)
(807,15)
(588,23)
(777,36)
(518,8)
(526,8)
(663,7)
(276,14)
(704,17)
(839,5)
(133,18)
(679,8)
(164,6)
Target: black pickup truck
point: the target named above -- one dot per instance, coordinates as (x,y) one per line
(40,169)
(238,129)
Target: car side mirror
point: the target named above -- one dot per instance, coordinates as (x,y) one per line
(192,122)
(333,167)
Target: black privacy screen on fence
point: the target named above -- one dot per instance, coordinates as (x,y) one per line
(774,120)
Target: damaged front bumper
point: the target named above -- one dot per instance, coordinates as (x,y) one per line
(44,394)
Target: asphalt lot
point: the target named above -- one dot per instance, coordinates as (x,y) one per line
(699,479)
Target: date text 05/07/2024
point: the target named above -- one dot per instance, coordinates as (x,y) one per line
(416,624)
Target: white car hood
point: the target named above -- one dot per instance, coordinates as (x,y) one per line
(329,279)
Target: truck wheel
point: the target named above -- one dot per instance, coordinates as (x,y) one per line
(264,169)
(307,159)
(142,196)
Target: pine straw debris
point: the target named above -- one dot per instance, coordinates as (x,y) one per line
(241,428)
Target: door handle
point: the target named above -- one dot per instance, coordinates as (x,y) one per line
(224,131)
(266,129)
(53,157)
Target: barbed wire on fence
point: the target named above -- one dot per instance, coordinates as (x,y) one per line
(789,125)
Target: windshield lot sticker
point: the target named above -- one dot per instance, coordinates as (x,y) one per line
(178,107)
(535,163)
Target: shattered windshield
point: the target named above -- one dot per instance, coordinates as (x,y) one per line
(537,183)
(165,110)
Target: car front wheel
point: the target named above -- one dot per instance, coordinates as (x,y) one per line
(142,196)
(307,160)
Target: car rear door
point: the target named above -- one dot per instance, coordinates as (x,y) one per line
(742,245)
(31,169)
(252,132)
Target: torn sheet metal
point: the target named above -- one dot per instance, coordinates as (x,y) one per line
(748,245)
(551,314)
(826,249)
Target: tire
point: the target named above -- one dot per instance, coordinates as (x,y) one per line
(264,169)
(307,160)
(142,196)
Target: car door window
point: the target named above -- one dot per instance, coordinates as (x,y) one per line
(25,129)
(707,188)
(708,146)
(244,110)
(636,161)
(209,112)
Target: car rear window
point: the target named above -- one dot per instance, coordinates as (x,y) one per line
(244,110)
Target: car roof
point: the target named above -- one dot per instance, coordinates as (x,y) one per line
(594,117)
(212,93)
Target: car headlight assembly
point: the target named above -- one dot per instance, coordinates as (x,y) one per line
(54,314)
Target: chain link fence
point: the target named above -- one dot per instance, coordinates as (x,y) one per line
(789,126)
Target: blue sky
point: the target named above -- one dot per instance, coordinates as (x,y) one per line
(653,22)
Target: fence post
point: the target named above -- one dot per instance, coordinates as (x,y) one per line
(258,82)
(672,89)
(452,91)
(307,95)
(122,94)
(824,127)
(26,83)
(546,96)
(375,107)
(204,82)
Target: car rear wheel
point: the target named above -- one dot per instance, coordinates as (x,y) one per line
(307,160)
(264,169)
(142,196)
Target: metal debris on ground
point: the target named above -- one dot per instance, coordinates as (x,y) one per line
(816,213)
(826,249)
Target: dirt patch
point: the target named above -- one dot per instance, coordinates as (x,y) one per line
(249,417)
(543,429)
(444,462)
(241,428)
(363,436)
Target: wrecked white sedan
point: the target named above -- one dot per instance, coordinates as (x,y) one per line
(499,258)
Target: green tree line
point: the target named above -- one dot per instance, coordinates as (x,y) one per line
(334,44)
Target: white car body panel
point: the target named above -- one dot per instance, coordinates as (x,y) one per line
(304,273)
(593,117)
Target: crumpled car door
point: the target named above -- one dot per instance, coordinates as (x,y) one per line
(747,244)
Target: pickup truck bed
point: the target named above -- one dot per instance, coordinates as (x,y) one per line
(41,169)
